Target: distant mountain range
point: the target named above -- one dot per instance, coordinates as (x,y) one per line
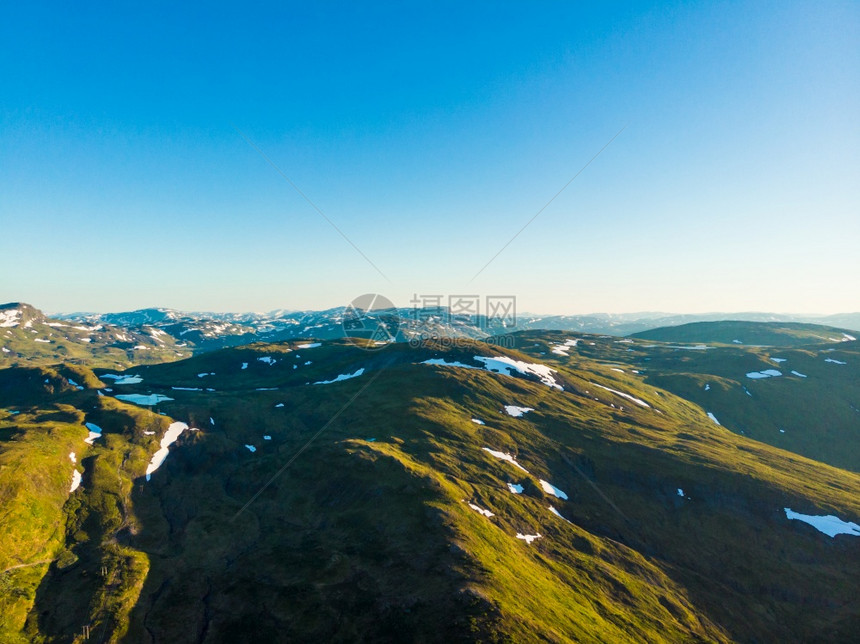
(231,329)
(630,323)
(153,335)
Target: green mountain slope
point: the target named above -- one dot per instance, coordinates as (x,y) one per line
(354,519)
(776,334)
(803,399)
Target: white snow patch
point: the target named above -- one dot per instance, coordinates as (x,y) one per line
(478,421)
(186,388)
(713,418)
(167,440)
(76,480)
(528,538)
(10,318)
(268,360)
(515,488)
(267,437)
(244,365)
(73,458)
(641,403)
(204,374)
(309,345)
(41,340)
(88,328)
(708,387)
(341,377)
(279,405)
(777,360)
(834,361)
(680,492)
(828,524)
(549,488)
(481,510)
(251,448)
(505,365)
(506,457)
(562,349)
(798,374)
(513,410)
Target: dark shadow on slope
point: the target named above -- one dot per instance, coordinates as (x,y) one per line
(342,547)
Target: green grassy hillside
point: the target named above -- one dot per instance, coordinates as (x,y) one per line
(35,476)
(777,334)
(49,530)
(811,406)
(353,519)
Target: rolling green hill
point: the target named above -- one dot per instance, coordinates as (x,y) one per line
(368,506)
(777,334)
(804,398)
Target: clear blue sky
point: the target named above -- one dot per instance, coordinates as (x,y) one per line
(430,133)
